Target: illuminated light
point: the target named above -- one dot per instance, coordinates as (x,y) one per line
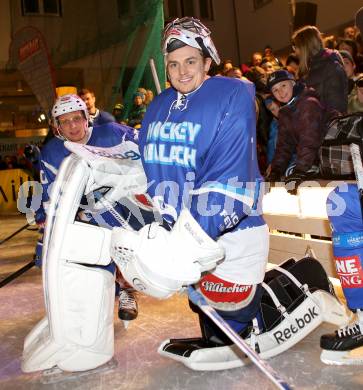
(19,86)
(310,201)
(313,201)
(23,133)
(41,118)
(279,201)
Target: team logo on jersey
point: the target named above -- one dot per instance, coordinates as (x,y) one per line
(170,143)
(350,271)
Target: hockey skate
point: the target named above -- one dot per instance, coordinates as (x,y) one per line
(127,309)
(344,346)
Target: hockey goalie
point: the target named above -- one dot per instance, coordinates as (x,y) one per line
(78,275)
(77,332)
(198,167)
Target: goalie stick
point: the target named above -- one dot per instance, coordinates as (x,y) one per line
(155,75)
(355,151)
(199,300)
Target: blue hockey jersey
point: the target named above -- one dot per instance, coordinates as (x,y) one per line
(199,152)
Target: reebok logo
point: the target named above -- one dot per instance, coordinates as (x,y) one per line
(285,334)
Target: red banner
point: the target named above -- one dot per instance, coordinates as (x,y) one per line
(29,53)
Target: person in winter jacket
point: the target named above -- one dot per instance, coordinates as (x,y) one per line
(137,111)
(274,107)
(321,69)
(302,127)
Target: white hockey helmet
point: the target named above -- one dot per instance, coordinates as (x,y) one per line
(65,104)
(191,32)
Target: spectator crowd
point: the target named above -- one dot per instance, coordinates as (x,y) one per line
(297,96)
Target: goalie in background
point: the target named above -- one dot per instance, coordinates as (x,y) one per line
(70,116)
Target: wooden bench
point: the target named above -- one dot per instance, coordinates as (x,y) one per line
(299,223)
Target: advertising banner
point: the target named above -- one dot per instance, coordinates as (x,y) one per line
(29,53)
(11,181)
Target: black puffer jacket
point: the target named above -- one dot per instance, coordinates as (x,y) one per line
(302,127)
(327,76)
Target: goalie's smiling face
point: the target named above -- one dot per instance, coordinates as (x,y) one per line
(73,126)
(187,69)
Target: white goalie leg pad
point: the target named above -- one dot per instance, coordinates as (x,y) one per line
(314,310)
(83,318)
(317,307)
(158,262)
(77,333)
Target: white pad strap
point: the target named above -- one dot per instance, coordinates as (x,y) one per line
(303,287)
(254,333)
(279,307)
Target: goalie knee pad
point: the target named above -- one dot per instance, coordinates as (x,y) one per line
(348,245)
(77,333)
(237,304)
(297,298)
(226,296)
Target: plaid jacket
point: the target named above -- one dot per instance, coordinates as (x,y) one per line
(334,154)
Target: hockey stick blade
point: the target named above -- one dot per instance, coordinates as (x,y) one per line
(199,300)
(358,170)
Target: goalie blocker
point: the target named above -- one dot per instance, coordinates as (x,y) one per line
(297,297)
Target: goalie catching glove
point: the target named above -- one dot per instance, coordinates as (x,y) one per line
(159,262)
